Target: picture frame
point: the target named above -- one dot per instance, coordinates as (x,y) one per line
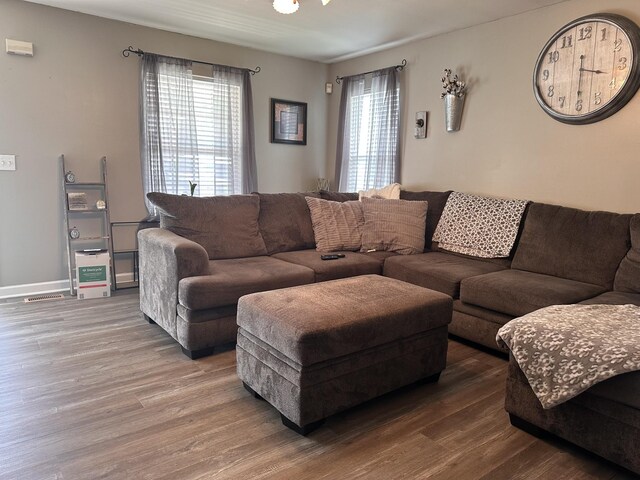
(288,122)
(77,201)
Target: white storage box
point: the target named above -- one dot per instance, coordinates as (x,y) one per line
(93,275)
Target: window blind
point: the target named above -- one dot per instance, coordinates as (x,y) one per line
(217,166)
(219,125)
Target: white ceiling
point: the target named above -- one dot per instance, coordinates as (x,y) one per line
(340,30)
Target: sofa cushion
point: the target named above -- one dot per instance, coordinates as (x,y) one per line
(228,280)
(338,196)
(285,222)
(573,244)
(336,225)
(351,265)
(226,226)
(393,225)
(435,270)
(614,298)
(436,201)
(628,275)
(517,292)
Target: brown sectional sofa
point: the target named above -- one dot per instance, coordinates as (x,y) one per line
(562,255)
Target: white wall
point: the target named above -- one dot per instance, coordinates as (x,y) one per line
(507,145)
(79,96)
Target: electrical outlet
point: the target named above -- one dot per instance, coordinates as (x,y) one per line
(7,162)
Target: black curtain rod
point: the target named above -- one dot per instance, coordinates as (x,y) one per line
(398,68)
(128,51)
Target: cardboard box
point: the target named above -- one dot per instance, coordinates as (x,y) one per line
(93,275)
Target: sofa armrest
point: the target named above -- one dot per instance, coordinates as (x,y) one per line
(164,259)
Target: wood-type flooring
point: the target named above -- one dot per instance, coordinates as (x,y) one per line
(89,390)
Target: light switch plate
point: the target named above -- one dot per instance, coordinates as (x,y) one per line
(421,125)
(7,162)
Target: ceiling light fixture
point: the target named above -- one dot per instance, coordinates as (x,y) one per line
(286,6)
(289,6)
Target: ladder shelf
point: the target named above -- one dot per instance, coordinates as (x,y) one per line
(97,214)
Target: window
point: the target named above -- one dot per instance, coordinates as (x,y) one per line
(196,128)
(215,165)
(368,140)
(218,115)
(368,156)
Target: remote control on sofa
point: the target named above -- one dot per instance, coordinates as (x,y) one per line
(333,256)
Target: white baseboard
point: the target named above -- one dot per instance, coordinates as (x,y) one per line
(29,289)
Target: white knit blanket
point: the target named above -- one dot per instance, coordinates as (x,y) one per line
(565,349)
(479,226)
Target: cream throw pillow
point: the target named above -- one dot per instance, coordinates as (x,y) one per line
(390,191)
(394,225)
(336,225)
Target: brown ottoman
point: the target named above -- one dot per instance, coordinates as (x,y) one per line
(315,350)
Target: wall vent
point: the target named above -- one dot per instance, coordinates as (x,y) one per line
(44,298)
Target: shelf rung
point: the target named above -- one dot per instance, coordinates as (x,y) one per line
(88,210)
(84,184)
(89,238)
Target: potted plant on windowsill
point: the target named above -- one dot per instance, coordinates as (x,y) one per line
(454,93)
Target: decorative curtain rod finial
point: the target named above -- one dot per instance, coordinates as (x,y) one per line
(128,51)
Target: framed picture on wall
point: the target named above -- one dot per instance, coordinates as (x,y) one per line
(288,122)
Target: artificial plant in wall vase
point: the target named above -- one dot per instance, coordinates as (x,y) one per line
(454,94)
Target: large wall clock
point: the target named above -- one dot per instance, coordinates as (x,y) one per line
(589,69)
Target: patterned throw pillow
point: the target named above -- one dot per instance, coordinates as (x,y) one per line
(336,225)
(390,191)
(479,226)
(394,225)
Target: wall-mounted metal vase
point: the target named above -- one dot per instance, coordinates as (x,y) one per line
(453,106)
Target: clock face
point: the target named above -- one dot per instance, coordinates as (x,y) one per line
(589,69)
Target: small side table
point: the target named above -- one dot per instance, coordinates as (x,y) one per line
(132,250)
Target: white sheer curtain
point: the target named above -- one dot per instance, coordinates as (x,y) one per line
(195,128)
(368,150)
(168,136)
